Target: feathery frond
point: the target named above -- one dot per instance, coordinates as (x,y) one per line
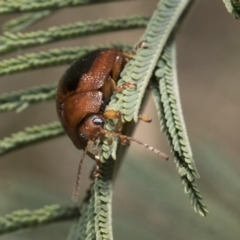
(29,136)
(52,57)
(11,41)
(140,68)
(96,211)
(172,122)
(35,5)
(166,97)
(19,100)
(233,7)
(24,21)
(25,218)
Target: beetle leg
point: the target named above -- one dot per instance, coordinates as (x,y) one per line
(97,160)
(121,87)
(112,114)
(118,64)
(124,140)
(118,125)
(97,167)
(130,55)
(144,117)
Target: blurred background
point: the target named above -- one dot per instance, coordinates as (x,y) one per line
(149,202)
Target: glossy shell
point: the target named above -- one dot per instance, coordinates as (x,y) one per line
(85,89)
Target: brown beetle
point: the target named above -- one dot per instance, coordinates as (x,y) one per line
(82,95)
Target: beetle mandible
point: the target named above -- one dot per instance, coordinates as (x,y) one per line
(82,95)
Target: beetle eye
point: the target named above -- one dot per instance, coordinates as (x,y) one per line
(82,137)
(98,121)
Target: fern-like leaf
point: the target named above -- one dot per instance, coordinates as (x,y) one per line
(35,5)
(22,22)
(29,136)
(52,57)
(22,219)
(11,41)
(167,101)
(140,68)
(96,211)
(233,7)
(22,99)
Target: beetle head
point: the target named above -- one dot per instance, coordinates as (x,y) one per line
(90,128)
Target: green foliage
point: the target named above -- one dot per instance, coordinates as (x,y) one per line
(140,68)
(29,136)
(233,7)
(35,5)
(25,218)
(96,211)
(22,99)
(52,57)
(166,96)
(24,21)
(11,41)
(153,63)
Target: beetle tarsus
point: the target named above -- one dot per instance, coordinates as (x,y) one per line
(125,85)
(112,114)
(96,171)
(130,55)
(144,117)
(98,162)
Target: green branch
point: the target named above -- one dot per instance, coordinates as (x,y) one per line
(10,42)
(22,219)
(35,5)
(29,136)
(52,57)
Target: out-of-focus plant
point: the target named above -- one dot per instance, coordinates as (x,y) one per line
(154,64)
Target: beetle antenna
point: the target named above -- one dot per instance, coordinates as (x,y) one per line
(77,184)
(125,141)
(156,151)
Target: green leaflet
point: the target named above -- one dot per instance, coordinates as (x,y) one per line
(96,212)
(29,136)
(26,218)
(156,35)
(158,30)
(167,101)
(233,7)
(52,57)
(12,41)
(35,5)
(166,78)
(22,99)
(24,21)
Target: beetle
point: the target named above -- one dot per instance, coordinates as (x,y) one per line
(82,95)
